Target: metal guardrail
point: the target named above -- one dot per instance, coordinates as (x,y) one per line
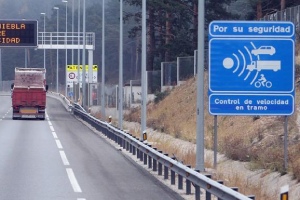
(162,163)
(155,159)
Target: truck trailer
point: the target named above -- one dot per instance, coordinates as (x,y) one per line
(259,65)
(29,93)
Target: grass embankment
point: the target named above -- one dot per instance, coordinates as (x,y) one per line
(258,141)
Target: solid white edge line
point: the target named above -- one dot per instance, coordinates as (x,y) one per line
(73,180)
(58,143)
(64,158)
(54,135)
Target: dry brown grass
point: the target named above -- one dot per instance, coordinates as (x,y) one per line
(243,138)
(240,138)
(244,186)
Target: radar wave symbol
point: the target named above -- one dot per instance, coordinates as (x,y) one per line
(239,61)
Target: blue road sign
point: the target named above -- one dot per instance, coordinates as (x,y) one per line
(254,59)
(253,104)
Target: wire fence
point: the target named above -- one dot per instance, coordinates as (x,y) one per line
(290,14)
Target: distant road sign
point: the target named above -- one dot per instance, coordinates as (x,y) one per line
(72,74)
(18,33)
(253,59)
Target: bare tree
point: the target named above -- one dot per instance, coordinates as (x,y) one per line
(282,4)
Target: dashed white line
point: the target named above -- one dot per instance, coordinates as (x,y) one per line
(52,128)
(64,158)
(54,135)
(58,143)
(73,180)
(65,161)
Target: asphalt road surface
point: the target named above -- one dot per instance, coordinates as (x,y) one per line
(60,158)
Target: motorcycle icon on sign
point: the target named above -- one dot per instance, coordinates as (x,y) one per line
(262,81)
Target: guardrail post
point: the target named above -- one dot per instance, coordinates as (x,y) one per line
(137,153)
(112,135)
(159,166)
(154,163)
(119,140)
(207,193)
(166,170)
(180,182)
(197,190)
(221,182)
(141,156)
(127,145)
(188,184)
(149,159)
(133,149)
(145,158)
(173,174)
(130,147)
(124,143)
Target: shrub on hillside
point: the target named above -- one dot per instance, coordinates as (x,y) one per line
(295,160)
(159,96)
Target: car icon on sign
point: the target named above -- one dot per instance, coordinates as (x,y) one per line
(264,50)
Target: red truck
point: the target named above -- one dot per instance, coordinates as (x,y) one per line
(29,93)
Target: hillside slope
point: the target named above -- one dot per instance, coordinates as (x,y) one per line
(243,138)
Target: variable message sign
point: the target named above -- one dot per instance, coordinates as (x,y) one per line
(18,33)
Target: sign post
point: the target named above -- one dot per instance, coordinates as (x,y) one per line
(251,68)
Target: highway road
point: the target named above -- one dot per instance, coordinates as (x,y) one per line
(60,158)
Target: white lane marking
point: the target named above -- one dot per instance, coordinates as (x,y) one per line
(65,161)
(73,180)
(54,135)
(58,143)
(52,128)
(64,158)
